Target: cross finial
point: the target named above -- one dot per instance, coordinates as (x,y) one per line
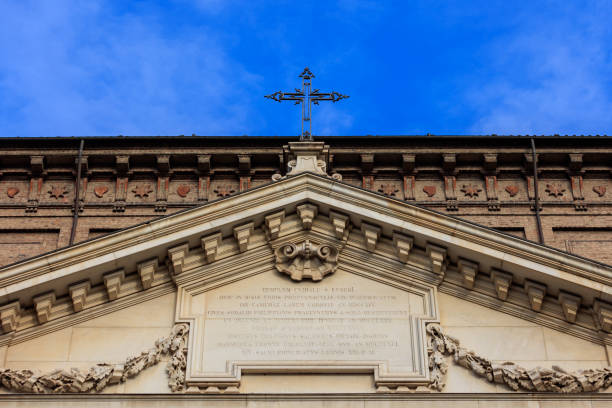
(304,97)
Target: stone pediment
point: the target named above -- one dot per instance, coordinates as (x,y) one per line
(306,231)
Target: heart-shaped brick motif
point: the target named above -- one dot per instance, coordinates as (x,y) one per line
(429,190)
(12,191)
(512,190)
(600,190)
(183,190)
(99,191)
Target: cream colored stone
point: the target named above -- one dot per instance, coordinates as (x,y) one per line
(560,346)
(153,380)
(210,245)
(502,343)
(413,401)
(3,351)
(462,380)
(307,383)
(508,404)
(459,312)
(158,312)
(343,324)
(573,403)
(112,345)
(146,271)
(51,347)
(567,365)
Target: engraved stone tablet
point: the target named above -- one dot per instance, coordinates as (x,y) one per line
(346,323)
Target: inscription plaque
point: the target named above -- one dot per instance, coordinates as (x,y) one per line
(346,323)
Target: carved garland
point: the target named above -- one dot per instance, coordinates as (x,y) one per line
(516,377)
(441,346)
(101,375)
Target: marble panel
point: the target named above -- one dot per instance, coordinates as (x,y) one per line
(51,347)
(112,345)
(560,346)
(157,312)
(459,312)
(502,343)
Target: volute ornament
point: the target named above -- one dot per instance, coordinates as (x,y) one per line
(306,260)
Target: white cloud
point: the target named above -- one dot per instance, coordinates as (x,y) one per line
(552,76)
(79,68)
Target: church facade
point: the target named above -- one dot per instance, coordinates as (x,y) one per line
(354,271)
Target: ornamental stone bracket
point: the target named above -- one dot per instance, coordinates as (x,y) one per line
(306,260)
(307,157)
(309,249)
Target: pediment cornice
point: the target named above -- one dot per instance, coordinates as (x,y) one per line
(398,240)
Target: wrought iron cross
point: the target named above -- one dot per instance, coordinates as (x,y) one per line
(304,97)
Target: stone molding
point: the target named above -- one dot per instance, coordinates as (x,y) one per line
(450,237)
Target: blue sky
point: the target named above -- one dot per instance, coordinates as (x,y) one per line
(93,67)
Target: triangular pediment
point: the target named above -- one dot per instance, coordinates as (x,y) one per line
(394,240)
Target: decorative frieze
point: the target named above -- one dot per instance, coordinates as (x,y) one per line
(43,305)
(371,234)
(501,282)
(468,271)
(307,213)
(535,294)
(243,233)
(570,305)
(146,271)
(9,316)
(403,245)
(78,293)
(210,245)
(113,282)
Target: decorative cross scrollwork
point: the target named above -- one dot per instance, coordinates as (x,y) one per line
(305,96)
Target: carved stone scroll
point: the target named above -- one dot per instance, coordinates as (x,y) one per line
(211,245)
(437,256)
(9,315)
(603,312)
(273,224)
(340,223)
(78,294)
(113,282)
(43,305)
(468,270)
(146,271)
(176,258)
(570,304)
(307,213)
(243,234)
(535,293)
(306,260)
(371,235)
(501,281)
(403,245)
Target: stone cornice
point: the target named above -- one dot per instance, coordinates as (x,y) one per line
(435,241)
